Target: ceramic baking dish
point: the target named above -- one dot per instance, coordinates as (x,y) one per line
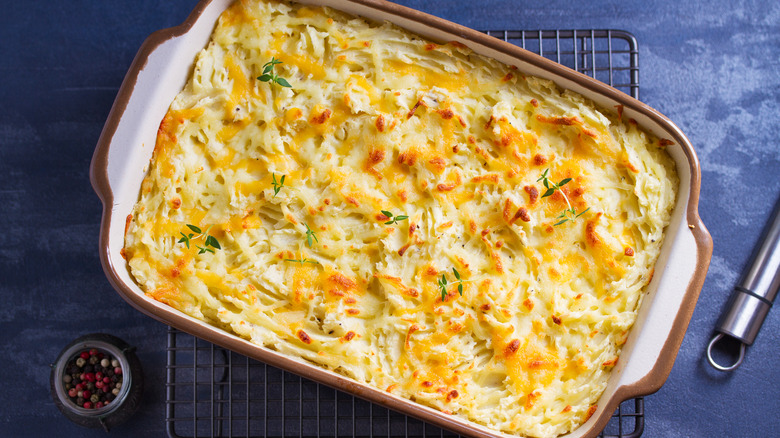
(161,69)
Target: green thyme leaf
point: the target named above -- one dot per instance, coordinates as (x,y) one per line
(212,241)
(583,212)
(310,235)
(277,185)
(194,228)
(460,281)
(443,286)
(302,261)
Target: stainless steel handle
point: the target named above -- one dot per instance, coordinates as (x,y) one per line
(753,295)
(763,275)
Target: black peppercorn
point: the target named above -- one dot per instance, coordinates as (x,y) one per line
(80,401)
(89,369)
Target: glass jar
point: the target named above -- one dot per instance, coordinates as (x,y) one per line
(125,403)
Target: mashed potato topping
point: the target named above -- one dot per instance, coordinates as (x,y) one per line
(379,123)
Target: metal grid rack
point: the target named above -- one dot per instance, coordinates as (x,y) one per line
(610,56)
(213,392)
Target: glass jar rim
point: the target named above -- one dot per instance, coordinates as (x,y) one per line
(70,354)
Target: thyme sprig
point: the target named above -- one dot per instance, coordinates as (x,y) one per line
(443,284)
(310,235)
(460,281)
(270,76)
(567,214)
(278,185)
(302,260)
(393,219)
(210,240)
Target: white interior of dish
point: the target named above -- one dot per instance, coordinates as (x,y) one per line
(163,77)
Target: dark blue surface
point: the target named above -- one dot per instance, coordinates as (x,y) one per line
(712,67)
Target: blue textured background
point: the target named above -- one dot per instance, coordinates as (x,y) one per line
(713,67)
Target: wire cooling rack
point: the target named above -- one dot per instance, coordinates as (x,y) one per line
(610,56)
(213,392)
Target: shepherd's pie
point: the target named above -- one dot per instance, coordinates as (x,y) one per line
(385,216)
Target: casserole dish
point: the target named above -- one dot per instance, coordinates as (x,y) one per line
(125,147)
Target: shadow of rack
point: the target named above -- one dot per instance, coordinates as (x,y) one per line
(213,392)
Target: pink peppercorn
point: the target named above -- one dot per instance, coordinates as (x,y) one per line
(87,405)
(98,405)
(84,355)
(99,375)
(90,377)
(106,379)
(72,392)
(118,371)
(99,384)
(86,393)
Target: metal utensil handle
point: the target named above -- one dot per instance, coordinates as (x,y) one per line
(753,295)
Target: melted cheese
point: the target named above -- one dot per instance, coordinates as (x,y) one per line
(378,119)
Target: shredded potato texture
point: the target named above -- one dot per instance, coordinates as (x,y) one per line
(379,119)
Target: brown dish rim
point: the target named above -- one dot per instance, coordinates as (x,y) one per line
(648,384)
